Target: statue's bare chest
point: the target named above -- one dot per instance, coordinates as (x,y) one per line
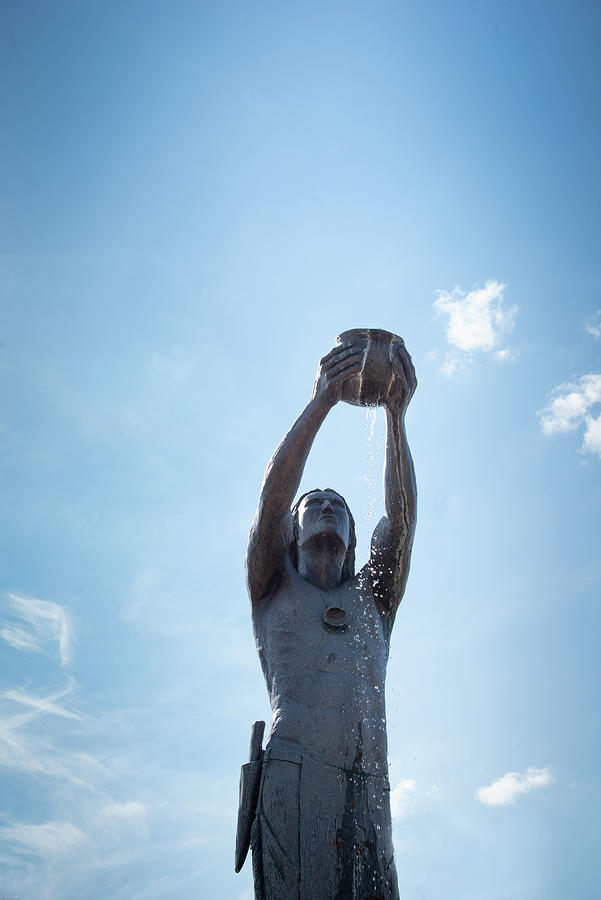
(304,632)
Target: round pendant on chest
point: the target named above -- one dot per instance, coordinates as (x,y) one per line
(335,617)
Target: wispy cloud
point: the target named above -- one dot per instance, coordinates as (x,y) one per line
(44,704)
(49,839)
(117,817)
(117,813)
(505,790)
(477,322)
(20,639)
(46,623)
(570,407)
(28,746)
(124,811)
(593,324)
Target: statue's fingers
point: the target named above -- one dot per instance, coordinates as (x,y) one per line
(335,351)
(349,353)
(345,369)
(352,359)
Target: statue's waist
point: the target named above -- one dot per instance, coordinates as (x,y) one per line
(285,751)
(350,737)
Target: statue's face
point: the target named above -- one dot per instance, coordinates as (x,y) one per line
(323,513)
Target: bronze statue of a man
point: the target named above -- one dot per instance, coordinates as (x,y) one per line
(322,827)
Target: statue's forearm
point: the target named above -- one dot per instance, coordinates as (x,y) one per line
(271,531)
(286,466)
(400,492)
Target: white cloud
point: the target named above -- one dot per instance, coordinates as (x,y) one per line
(46,623)
(48,839)
(20,639)
(26,739)
(593,324)
(569,408)
(96,830)
(124,811)
(401,798)
(452,364)
(570,403)
(505,355)
(592,436)
(130,819)
(504,790)
(112,815)
(477,322)
(44,704)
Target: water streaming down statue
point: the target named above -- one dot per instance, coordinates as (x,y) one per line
(314,805)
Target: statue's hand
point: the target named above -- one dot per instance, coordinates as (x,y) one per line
(333,370)
(405,382)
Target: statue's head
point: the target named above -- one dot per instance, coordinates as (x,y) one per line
(324,513)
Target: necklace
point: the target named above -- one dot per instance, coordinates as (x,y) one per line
(335,617)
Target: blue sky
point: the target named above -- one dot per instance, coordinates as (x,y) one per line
(196,199)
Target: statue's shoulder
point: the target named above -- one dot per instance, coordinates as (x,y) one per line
(280,586)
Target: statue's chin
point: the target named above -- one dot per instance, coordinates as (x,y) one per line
(328,540)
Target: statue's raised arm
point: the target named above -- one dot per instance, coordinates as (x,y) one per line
(271,531)
(388,566)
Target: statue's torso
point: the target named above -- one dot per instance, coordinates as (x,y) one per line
(326,686)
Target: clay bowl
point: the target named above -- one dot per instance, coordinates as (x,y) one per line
(370,386)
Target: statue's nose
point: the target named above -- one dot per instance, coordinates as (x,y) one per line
(326,506)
